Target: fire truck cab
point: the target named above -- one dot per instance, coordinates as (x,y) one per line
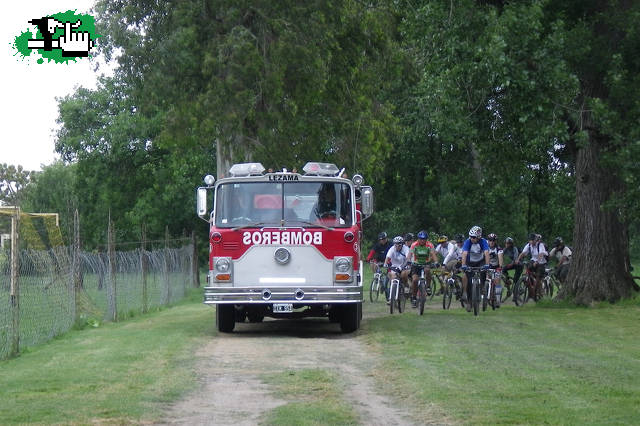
(284,244)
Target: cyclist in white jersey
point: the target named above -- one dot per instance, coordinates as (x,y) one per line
(397,258)
(454,257)
(496,262)
(538,252)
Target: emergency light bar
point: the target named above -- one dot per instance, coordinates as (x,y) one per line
(246,169)
(321,169)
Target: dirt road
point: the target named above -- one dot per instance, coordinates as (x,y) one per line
(230,368)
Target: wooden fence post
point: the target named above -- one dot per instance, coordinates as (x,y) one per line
(15,284)
(113,297)
(144,266)
(195,276)
(166,266)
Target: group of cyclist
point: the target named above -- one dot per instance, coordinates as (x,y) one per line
(407,257)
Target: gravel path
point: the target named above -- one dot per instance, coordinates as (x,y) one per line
(230,367)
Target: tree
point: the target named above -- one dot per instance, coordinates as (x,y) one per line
(275,81)
(603,42)
(13,179)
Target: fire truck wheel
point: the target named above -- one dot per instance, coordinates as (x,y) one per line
(225,318)
(350,319)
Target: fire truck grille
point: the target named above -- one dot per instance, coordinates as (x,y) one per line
(230,245)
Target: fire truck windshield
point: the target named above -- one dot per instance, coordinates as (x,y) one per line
(241,204)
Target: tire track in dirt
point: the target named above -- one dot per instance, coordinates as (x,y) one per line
(230,368)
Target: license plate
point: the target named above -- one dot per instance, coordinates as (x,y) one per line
(283,307)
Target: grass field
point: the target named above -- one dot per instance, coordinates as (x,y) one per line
(551,363)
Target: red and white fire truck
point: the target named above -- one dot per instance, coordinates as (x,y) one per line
(284,244)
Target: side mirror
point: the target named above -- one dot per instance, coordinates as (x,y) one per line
(202,203)
(367,201)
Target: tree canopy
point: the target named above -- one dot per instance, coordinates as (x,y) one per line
(516,116)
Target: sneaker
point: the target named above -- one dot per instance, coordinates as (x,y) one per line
(388,303)
(414,303)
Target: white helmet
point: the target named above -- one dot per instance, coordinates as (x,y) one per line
(475,231)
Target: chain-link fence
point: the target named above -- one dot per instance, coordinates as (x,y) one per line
(46,288)
(105,288)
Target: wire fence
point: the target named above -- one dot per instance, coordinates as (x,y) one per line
(44,291)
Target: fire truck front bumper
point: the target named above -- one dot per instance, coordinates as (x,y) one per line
(299,295)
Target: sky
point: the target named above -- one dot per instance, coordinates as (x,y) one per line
(29,108)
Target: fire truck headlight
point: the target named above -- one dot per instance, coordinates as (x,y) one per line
(209,180)
(343,264)
(357,180)
(222,265)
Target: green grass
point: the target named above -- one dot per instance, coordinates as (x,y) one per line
(116,373)
(538,364)
(314,399)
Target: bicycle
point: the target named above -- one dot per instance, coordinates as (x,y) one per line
(549,282)
(452,286)
(424,290)
(378,283)
(397,296)
(489,290)
(476,288)
(525,286)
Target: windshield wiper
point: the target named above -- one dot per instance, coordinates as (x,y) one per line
(248,225)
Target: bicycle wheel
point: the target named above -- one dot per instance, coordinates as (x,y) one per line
(485,295)
(507,288)
(448,294)
(374,289)
(431,288)
(392,296)
(521,291)
(475,295)
(421,296)
(549,289)
(400,299)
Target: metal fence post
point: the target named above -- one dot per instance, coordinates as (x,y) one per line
(144,266)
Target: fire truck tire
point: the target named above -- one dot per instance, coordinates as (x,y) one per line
(225,318)
(350,319)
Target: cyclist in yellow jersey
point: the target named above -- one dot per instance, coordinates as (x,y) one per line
(422,252)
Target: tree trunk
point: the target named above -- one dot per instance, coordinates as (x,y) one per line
(600,263)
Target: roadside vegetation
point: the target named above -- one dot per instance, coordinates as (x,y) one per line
(551,363)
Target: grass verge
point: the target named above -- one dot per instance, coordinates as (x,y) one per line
(544,364)
(116,373)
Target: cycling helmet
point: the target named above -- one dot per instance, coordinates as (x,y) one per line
(422,235)
(409,237)
(475,231)
(492,237)
(442,239)
(382,235)
(535,237)
(398,240)
(558,242)
(459,238)
(508,240)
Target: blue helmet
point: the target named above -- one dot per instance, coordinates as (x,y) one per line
(422,235)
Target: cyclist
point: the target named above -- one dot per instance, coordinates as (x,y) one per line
(443,248)
(379,251)
(563,254)
(397,259)
(422,252)
(475,252)
(538,252)
(496,261)
(454,257)
(511,252)
(409,239)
